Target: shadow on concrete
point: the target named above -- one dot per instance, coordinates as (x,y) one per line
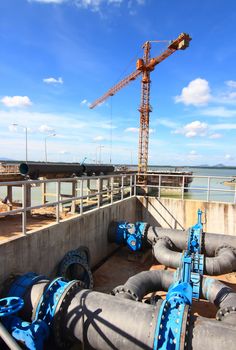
(170,220)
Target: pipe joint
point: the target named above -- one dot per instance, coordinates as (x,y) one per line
(127,293)
(224,312)
(224,247)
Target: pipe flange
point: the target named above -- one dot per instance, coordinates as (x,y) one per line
(221,313)
(224,246)
(61,309)
(71,259)
(165,239)
(82,252)
(203,243)
(185,328)
(122,289)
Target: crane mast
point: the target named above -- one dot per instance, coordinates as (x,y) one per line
(144,67)
(144,110)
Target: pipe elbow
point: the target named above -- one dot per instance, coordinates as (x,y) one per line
(164,254)
(223,262)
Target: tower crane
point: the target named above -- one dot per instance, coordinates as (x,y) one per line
(144,66)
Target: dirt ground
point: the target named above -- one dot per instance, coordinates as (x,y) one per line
(11,225)
(122,265)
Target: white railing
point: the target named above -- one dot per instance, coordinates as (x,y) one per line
(108,189)
(105,190)
(206,187)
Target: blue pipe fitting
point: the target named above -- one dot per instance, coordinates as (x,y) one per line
(131,234)
(32,335)
(170,330)
(22,283)
(195,235)
(48,302)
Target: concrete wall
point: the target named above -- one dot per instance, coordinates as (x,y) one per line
(41,251)
(181,214)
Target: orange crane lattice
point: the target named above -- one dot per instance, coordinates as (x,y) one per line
(144,66)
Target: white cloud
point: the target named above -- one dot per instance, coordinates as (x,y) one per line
(85,103)
(136,130)
(93,5)
(167,123)
(223,126)
(64,152)
(118,2)
(229,157)
(107,125)
(193,155)
(197,93)
(52,80)
(12,128)
(48,1)
(221,112)
(131,130)
(193,129)
(231,83)
(215,136)
(99,138)
(16,101)
(46,129)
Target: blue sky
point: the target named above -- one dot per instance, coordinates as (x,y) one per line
(57,56)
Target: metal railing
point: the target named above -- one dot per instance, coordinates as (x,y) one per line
(105,190)
(199,187)
(89,193)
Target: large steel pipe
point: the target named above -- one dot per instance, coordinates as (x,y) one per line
(224,262)
(35,170)
(105,322)
(212,241)
(91,169)
(144,283)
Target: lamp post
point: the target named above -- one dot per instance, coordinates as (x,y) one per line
(26,139)
(45,145)
(100,153)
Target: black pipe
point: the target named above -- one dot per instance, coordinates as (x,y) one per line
(164,254)
(210,334)
(224,262)
(104,322)
(91,169)
(107,324)
(35,170)
(221,295)
(144,283)
(211,241)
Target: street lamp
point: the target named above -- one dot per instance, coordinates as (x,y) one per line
(100,153)
(26,139)
(45,145)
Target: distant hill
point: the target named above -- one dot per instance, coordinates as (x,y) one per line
(219,165)
(4,159)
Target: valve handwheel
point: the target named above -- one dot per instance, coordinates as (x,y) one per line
(10,305)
